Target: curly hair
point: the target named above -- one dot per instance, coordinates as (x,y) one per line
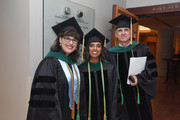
(102,56)
(57,47)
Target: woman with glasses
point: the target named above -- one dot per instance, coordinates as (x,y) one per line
(99,79)
(55,92)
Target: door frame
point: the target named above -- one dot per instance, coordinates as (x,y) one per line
(117,10)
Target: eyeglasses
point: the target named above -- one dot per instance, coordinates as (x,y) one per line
(67,39)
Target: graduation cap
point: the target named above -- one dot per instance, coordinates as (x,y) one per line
(94,36)
(123,21)
(67,25)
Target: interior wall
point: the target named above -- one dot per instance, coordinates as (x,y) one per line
(143,3)
(164,49)
(103,14)
(14,58)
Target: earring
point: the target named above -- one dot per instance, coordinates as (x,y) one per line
(59,44)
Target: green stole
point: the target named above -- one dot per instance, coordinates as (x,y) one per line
(60,55)
(118,49)
(95,66)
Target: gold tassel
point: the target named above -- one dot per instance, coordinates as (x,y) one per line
(131,29)
(105,118)
(105,43)
(82,58)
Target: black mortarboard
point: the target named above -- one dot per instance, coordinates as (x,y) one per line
(122,21)
(94,36)
(69,24)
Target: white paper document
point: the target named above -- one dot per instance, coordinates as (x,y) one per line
(137,65)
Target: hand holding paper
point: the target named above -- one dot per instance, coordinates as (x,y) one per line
(136,66)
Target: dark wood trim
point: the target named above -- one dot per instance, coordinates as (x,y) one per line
(157,9)
(170,26)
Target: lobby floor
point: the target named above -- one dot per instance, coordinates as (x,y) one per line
(166,105)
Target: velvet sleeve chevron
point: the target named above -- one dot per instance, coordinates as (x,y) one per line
(147,78)
(44,98)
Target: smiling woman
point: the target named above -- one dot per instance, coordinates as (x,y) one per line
(55,92)
(95,51)
(99,79)
(68,44)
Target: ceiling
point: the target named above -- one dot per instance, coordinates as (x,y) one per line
(161,22)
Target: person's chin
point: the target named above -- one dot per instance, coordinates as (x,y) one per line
(69,52)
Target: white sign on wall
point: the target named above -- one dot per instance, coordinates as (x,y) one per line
(56,11)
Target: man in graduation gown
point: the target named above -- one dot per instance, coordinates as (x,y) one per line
(135,102)
(99,78)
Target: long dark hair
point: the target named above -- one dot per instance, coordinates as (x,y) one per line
(57,47)
(102,56)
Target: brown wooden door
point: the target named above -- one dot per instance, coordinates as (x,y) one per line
(117,10)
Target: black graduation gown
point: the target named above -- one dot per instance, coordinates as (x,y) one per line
(49,93)
(97,104)
(146,84)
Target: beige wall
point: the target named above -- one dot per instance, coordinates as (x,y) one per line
(164,49)
(14,58)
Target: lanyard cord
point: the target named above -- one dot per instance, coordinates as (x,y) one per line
(78,95)
(138,96)
(89,110)
(119,79)
(104,98)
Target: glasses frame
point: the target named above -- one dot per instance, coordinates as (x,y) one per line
(68,40)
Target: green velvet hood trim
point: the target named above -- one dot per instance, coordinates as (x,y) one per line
(60,55)
(119,49)
(95,66)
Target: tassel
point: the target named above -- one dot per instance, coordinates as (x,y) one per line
(122,99)
(82,58)
(105,43)
(72,114)
(105,118)
(138,99)
(78,117)
(138,96)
